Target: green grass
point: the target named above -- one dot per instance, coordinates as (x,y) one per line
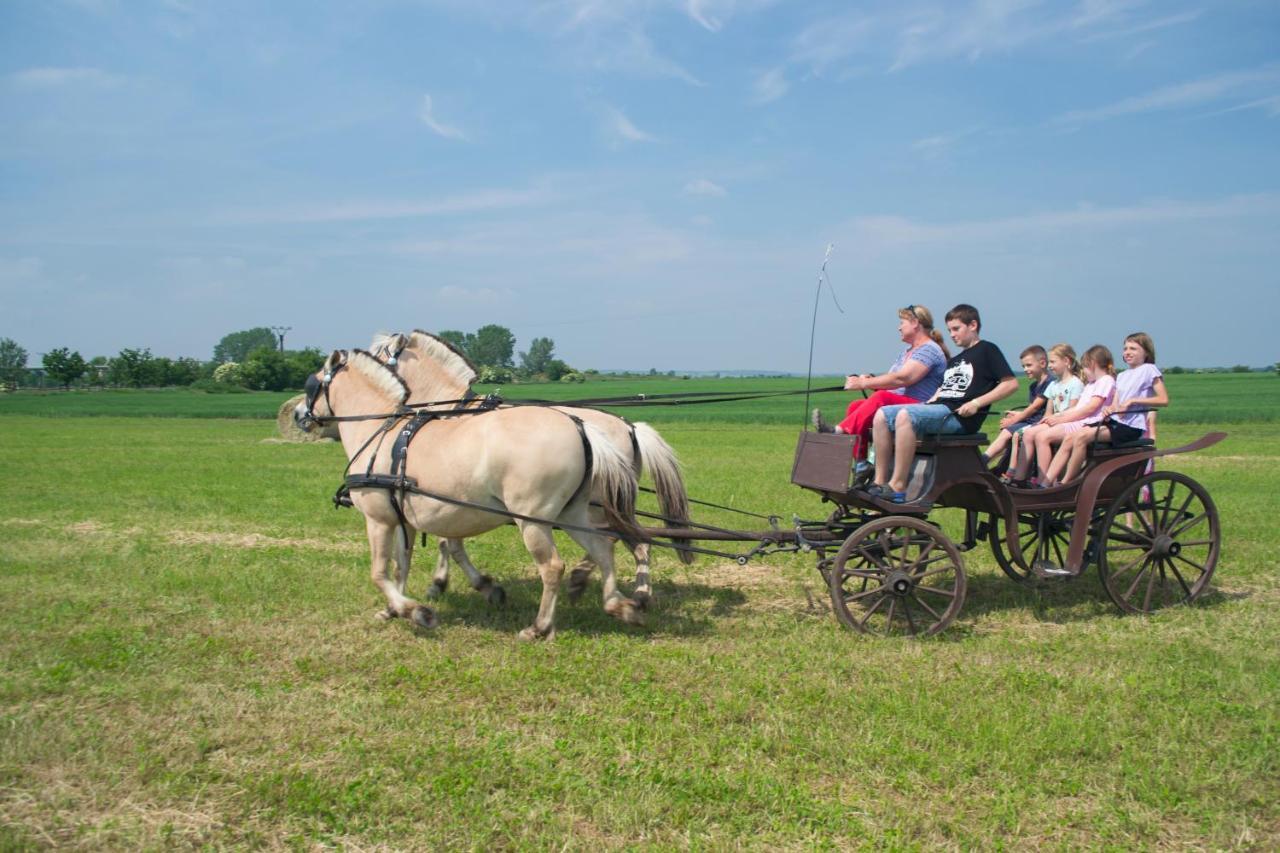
(1197,398)
(188,657)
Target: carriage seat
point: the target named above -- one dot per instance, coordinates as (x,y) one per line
(1137,444)
(938,442)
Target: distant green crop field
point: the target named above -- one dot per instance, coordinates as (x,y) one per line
(1196,398)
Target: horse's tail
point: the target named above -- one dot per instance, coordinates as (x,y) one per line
(662,465)
(613,483)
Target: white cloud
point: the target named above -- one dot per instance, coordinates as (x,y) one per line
(1194,93)
(428,117)
(47,78)
(621,129)
(452,294)
(770,86)
(704,187)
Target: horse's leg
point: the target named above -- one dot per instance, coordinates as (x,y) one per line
(601,550)
(643,593)
(480,582)
(581,573)
(538,539)
(404,557)
(382,549)
(440,580)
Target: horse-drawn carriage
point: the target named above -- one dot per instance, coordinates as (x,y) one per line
(1154,535)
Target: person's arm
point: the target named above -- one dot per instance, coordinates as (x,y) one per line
(1084,407)
(1014,416)
(1158,400)
(909,374)
(1007,386)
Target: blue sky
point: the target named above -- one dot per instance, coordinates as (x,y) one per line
(651,184)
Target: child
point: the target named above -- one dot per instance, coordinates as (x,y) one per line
(1140,387)
(1035,364)
(1099,369)
(1058,396)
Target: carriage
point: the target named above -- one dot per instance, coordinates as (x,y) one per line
(1154,535)
(891,568)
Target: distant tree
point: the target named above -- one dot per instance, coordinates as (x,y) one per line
(302,363)
(182,371)
(1241,368)
(461,340)
(97,369)
(557,369)
(237,345)
(134,368)
(13,360)
(492,346)
(266,369)
(1175,370)
(228,373)
(64,366)
(538,356)
(490,375)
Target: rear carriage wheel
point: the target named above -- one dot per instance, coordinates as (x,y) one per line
(1044,536)
(897,575)
(1159,543)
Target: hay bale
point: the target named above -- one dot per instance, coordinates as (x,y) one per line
(289,430)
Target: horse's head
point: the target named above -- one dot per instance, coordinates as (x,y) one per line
(434,368)
(306,414)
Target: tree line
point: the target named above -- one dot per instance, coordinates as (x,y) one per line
(251,360)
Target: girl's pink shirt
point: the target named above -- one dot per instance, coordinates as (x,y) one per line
(1105,387)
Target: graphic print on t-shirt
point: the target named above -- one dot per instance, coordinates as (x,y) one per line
(956,380)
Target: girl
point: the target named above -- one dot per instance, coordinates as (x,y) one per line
(1060,395)
(1100,370)
(1138,388)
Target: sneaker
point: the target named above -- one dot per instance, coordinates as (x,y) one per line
(863,471)
(820,423)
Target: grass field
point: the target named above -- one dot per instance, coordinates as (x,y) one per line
(188,657)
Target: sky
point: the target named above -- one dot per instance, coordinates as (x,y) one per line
(651,183)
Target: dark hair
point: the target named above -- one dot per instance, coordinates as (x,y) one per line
(965,314)
(1035,350)
(1143,340)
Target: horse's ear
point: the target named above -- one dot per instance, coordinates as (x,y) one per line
(334,360)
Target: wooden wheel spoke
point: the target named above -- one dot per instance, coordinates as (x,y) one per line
(1193,543)
(1177,574)
(911,622)
(1146,564)
(862,623)
(859,595)
(927,575)
(935,591)
(932,612)
(1182,509)
(1127,529)
(1112,549)
(930,562)
(1188,524)
(872,574)
(919,557)
(888,620)
(1192,563)
(1168,505)
(1151,582)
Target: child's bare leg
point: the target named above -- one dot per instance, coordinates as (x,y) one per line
(1080,450)
(1027,438)
(1059,462)
(997,447)
(904,451)
(1016,441)
(1044,451)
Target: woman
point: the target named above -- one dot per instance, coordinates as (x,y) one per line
(913,378)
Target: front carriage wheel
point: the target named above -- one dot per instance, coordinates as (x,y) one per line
(1159,543)
(1043,536)
(897,575)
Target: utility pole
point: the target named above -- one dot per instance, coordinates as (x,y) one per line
(280,330)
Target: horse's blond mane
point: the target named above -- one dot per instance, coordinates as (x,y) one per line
(443,353)
(381,377)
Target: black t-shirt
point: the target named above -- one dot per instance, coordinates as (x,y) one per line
(971,374)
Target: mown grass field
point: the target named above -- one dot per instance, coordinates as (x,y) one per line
(188,657)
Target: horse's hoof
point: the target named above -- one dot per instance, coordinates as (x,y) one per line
(532,633)
(496,595)
(437,589)
(625,610)
(577,583)
(386,614)
(424,617)
(642,598)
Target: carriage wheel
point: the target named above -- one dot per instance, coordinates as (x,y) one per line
(1159,543)
(1042,535)
(897,575)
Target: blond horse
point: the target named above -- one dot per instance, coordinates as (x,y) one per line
(528,462)
(435,371)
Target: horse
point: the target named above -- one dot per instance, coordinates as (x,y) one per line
(528,465)
(435,370)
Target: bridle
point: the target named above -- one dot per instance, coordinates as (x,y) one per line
(313,389)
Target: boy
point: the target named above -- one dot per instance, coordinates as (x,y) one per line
(1035,363)
(975,378)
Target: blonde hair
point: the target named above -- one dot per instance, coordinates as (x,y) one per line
(1100,357)
(924,317)
(1067,352)
(1143,340)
